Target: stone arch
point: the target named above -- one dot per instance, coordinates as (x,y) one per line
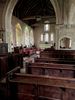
(57,11)
(64,37)
(6,21)
(72,14)
(10,6)
(59,19)
(7,16)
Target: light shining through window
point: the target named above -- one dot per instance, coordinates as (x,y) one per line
(52,37)
(42,37)
(46,37)
(46,27)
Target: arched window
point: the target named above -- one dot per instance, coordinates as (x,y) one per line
(52,37)
(42,37)
(18,34)
(46,37)
(46,27)
(31,37)
(70,43)
(27,38)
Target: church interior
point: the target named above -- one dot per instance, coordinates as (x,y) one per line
(37,49)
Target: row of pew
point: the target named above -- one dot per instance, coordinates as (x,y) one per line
(45,79)
(41,87)
(48,78)
(66,54)
(55,60)
(51,69)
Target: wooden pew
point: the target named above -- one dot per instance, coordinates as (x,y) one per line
(62,70)
(39,87)
(4,89)
(52,64)
(3,66)
(66,52)
(58,54)
(55,60)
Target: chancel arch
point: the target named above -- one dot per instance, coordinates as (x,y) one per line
(9,10)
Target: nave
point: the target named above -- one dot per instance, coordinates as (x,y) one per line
(37,49)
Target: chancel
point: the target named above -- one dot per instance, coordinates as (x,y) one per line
(37,49)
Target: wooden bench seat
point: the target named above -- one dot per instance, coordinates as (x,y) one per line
(58,53)
(3,66)
(61,61)
(62,70)
(44,80)
(39,87)
(53,65)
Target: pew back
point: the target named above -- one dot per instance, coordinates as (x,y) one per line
(55,60)
(62,70)
(39,87)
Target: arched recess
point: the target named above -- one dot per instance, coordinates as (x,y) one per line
(65,42)
(57,11)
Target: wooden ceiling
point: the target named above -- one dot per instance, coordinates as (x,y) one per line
(31,11)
